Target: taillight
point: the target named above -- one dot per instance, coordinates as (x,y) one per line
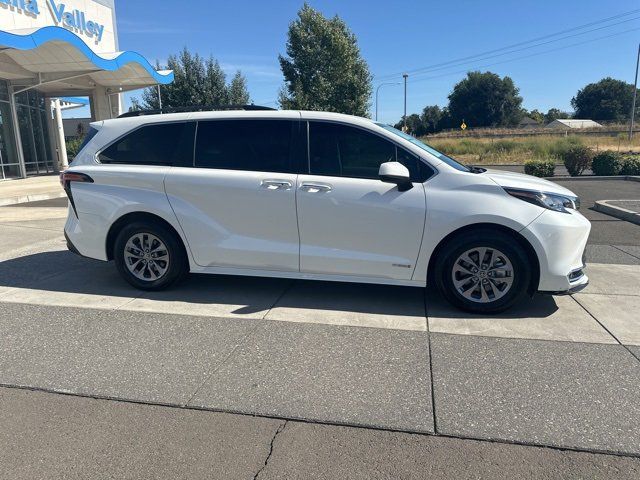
(66,178)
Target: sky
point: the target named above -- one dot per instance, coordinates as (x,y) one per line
(405,36)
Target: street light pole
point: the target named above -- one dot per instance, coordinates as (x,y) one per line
(378,91)
(404,118)
(635,94)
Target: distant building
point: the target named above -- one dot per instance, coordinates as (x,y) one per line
(573,123)
(528,122)
(75,127)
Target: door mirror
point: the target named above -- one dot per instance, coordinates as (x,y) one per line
(395,172)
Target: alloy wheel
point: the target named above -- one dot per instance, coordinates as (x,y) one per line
(483,274)
(146,257)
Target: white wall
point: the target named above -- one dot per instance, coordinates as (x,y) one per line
(13,17)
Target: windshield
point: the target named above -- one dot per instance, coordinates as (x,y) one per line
(441,156)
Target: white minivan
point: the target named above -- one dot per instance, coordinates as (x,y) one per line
(315,195)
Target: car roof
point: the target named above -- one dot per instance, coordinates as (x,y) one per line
(239,114)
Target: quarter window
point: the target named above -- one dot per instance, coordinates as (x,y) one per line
(255,145)
(161,144)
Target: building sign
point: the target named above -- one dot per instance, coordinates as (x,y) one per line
(28,7)
(73,19)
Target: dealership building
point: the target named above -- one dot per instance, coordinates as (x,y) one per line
(51,51)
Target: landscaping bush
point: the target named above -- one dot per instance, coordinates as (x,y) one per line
(606,164)
(630,165)
(73,147)
(540,168)
(577,159)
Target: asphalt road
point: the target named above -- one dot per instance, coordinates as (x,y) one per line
(47,435)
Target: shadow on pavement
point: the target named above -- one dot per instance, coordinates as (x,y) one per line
(63,272)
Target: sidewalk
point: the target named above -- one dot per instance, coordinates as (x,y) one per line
(32,189)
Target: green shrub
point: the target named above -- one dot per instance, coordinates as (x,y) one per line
(630,165)
(540,168)
(606,163)
(73,147)
(577,159)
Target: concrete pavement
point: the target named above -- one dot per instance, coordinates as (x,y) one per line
(556,372)
(30,189)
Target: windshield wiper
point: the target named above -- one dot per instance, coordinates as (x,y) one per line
(473,169)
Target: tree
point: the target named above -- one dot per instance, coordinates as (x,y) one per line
(536,115)
(431,118)
(555,114)
(608,99)
(485,100)
(323,69)
(238,94)
(414,125)
(197,82)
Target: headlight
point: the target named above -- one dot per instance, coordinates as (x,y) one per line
(552,201)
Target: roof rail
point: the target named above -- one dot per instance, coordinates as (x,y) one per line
(196,108)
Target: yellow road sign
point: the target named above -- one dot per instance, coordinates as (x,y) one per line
(463,126)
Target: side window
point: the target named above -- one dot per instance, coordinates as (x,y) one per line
(341,150)
(419,170)
(257,145)
(159,144)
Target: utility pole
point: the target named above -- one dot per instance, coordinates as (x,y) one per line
(378,91)
(404,118)
(635,94)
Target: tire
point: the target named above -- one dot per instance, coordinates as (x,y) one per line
(162,263)
(463,278)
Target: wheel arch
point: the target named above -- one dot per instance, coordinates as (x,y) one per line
(522,241)
(128,218)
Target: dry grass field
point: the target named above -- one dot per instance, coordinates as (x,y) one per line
(492,150)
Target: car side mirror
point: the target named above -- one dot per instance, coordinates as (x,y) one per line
(395,172)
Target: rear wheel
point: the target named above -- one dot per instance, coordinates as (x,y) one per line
(483,272)
(149,256)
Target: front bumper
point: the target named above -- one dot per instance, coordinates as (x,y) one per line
(560,240)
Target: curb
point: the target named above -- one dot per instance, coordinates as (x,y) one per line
(603,206)
(561,178)
(38,197)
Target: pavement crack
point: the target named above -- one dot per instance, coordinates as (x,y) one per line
(431,381)
(625,252)
(279,430)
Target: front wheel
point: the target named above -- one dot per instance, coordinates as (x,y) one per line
(149,256)
(483,272)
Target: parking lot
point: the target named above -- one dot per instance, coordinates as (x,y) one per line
(559,372)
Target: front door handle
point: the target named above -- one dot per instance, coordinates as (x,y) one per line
(316,187)
(276,184)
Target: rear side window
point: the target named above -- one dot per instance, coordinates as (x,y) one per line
(161,144)
(88,137)
(256,145)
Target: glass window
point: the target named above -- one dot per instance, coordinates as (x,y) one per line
(4,91)
(439,155)
(344,151)
(256,145)
(419,170)
(160,144)
(8,152)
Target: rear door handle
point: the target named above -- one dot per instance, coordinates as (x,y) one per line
(316,187)
(276,184)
